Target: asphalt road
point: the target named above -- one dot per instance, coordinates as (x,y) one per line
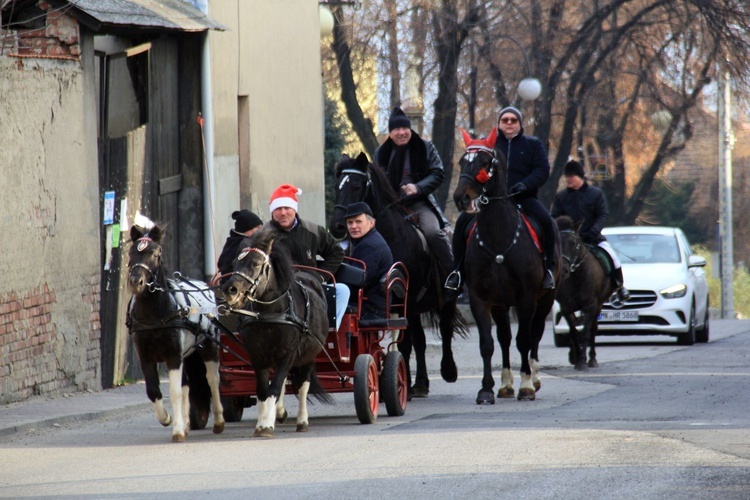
(655,420)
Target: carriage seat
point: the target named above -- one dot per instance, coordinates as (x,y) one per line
(384,323)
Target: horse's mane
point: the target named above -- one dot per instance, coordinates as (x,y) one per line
(381,186)
(565,223)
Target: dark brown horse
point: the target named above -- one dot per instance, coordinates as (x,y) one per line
(359,180)
(504,269)
(283,324)
(585,286)
(167,324)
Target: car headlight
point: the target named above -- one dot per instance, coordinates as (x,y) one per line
(674,291)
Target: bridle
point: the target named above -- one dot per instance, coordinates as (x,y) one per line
(575,263)
(265,270)
(345,179)
(141,244)
(480,179)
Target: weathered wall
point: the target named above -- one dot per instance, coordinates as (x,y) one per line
(49,266)
(270,55)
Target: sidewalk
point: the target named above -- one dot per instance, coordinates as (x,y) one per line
(43,412)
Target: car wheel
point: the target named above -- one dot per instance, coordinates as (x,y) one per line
(688,338)
(702,334)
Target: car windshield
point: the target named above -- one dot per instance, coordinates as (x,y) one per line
(645,248)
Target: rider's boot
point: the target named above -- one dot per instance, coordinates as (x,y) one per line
(548,282)
(622,293)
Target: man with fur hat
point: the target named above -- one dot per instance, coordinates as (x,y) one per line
(306,240)
(583,202)
(528,170)
(414,170)
(245,224)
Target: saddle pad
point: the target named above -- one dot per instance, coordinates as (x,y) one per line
(533,232)
(186,293)
(603,257)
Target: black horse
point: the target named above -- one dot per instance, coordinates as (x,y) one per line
(504,269)
(585,286)
(359,180)
(283,324)
(166,320)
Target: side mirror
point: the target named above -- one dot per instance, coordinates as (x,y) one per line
(696,261)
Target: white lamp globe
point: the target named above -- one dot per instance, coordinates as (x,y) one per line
(326,21)
(661,120)
(530,89)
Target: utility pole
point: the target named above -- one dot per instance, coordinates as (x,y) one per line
(726,143)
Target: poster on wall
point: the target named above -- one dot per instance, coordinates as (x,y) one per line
(109,207)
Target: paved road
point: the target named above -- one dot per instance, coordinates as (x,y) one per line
(656,420)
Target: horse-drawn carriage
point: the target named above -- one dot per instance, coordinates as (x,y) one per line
(352,359)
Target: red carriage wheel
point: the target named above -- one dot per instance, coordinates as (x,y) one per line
(366,398)
(393,384)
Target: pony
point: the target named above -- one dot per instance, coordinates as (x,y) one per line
(283,322)
(585,286)
(504,269)
(167,323)
(360,180)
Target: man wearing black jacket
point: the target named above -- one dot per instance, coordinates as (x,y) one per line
(582,202)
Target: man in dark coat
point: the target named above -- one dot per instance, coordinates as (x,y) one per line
(583,202)
(306,240)
(245,224)
(415,171)
(369,246)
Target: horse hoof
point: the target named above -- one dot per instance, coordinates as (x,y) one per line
(302,427)
(581,367)
(506,392)
(448,371)
(593,363)
(219,428)
(281,419)
(572,358)
(526,395)
(178,438)
(168,421)
(485,397)
(419,391)
(263,432)
(537,385)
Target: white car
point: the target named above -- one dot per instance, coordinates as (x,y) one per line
(667,283)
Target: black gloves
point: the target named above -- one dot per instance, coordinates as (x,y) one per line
(519,188)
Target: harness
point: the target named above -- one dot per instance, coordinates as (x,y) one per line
(579,256)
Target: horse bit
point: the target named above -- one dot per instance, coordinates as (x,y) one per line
(577,259)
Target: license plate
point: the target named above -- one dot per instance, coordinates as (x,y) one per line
(618,316)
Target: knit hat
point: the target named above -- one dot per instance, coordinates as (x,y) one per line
(358,208)
(574,168)
(284,196)
(511,109)
(398,119)
(245,220)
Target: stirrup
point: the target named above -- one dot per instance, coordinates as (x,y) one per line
(623,294)
(448,281)
(548,272)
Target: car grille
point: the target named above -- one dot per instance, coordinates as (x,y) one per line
(639,299)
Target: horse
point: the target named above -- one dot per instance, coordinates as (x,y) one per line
(167,323)
(360,180)
(585,286)
(504,269)
(283,322)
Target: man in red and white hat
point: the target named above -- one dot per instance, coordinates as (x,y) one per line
(306,240)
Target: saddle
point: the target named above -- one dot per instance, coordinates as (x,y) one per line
(603,257)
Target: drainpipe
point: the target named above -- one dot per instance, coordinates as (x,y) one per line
(208,172)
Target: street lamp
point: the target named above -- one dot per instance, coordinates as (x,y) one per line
(530,88)
(326,21)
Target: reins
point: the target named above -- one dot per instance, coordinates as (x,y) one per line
(577,260)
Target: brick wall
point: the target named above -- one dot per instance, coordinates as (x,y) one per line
(59,38)
(29,355)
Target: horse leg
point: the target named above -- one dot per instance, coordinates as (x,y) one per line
(421,381)
(574,337)
(281,413)
(592,343)
(537,331)
(151,375)
(212,375)
(302,417)
(448,369)
(176,397)
(589,318)
(483,321)
(504,338)
(266,404)
(405,348)
(523,342)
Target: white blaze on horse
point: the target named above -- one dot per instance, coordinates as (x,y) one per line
(168,320)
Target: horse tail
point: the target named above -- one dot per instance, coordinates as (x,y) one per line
(316,388)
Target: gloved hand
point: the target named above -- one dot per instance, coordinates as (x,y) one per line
(519,188)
